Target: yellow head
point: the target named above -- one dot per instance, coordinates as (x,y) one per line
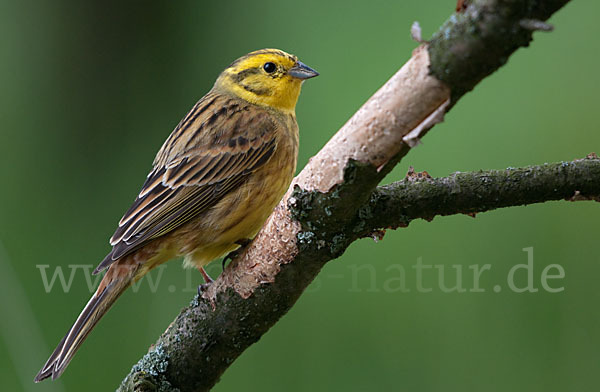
(267,77)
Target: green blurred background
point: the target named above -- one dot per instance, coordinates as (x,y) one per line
(91,89)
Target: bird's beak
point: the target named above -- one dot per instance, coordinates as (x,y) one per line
(302,71)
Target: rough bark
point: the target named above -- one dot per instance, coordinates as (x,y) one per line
(332,194)
(422,197)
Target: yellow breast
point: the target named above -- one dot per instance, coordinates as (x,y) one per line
(241,214)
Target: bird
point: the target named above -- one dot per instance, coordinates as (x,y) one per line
(212,185)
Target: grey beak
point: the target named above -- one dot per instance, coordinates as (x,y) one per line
(302,71)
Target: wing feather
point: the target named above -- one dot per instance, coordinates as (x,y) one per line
(182,185)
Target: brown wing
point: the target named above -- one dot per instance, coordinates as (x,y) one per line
(211,152)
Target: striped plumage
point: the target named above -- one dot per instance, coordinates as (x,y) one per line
(213,183)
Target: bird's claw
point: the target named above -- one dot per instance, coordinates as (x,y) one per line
(202,288)
(243,243)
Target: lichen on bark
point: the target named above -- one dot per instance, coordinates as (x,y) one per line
(477,41)
(336,200)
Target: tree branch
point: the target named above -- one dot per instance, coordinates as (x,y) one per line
(309,227)
(397,204)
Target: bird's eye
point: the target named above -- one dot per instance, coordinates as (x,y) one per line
(269,67)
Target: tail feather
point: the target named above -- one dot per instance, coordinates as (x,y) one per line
(96,307)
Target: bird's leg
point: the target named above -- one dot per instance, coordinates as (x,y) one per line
(207,280)
(243,243)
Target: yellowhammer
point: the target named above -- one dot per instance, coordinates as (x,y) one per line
(213,183)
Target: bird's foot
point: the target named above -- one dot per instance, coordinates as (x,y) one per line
(207,281)
(202,288)
(243,243)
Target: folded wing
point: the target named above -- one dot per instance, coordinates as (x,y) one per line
(209,154)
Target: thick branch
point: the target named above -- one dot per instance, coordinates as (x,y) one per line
(265,281)
(473,44)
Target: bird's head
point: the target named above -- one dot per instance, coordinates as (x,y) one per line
(267,77)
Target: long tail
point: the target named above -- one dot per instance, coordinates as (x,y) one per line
(116,280)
